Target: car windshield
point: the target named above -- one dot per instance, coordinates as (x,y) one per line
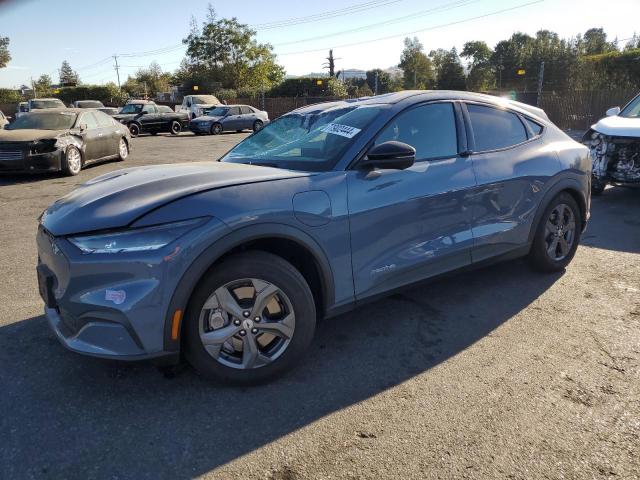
(44,121)
(312,141)
(132,108)
(217,112)
(633,109)
(36,104)
(89,104)
(205,100)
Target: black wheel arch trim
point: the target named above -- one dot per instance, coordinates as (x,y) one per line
(215,251)
(568,181)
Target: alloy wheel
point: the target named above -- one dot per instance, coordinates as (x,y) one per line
(123,150)
(247,323)
(74,160)
(560,232)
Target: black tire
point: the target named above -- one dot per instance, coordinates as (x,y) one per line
(134,129)
(538,257)
(176,128)
(257,125)
(270,268)
(216,129)
(71,167)
(154,133)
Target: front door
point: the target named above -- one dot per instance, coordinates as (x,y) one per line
(233,120)
(407,225)
(94,139)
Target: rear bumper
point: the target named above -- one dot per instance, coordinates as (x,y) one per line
(44,162)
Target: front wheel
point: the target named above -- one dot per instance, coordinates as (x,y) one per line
(72,162)
(557,235)
(257,125)
(176,128)
(250,319)
(216,129)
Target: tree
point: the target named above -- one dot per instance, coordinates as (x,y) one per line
(481,73)
(595,42)
(335,88)
(42,86)
(417,67)
(385,82)
(225,51)
(451,74)
(148,82)
(5,56)
(67,75)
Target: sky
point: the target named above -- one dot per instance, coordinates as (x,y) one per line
(364,34)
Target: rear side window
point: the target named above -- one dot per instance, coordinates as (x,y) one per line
(430,129)
(245,110)
(536,128)
(103,119)
(148,108)
(494,128)
(234,111)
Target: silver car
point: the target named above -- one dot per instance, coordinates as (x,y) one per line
(229,118)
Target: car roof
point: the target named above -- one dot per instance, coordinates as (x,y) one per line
(49,98)
(141,102)
(426,95)
(60,110)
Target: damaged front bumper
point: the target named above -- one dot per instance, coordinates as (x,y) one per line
(615,159)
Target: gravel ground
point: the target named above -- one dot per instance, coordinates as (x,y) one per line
(494,373)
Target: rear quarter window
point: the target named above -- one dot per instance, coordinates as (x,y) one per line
(494,128)
(535,127)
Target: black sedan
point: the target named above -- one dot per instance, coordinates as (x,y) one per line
(143,116)
(61,140)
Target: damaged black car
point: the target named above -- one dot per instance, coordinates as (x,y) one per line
(61,140)
(615,148)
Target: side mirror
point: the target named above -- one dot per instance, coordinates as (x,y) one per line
(613,111)
(390,155)
(83,127)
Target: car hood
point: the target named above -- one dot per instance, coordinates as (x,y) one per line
(618,126)
(28,135)
(119,198)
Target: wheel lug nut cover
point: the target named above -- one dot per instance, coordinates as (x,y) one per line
(236,322)
(254,330)
(256,319)
(246,314)
(243,332)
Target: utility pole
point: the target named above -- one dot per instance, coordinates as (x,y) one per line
(540,82)
(115,57)
(375,90)
(33,87)
(331,65)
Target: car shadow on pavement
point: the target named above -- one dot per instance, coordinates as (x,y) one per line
(615,221)
(67,416)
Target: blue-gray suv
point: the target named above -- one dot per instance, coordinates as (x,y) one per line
(230,263)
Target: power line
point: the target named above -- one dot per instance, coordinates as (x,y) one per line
(324,15)
(421,13)
(497,12)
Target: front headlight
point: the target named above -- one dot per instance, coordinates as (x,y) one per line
(44,146)
(135,240)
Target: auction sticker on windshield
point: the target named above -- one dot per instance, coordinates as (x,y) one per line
(342,130)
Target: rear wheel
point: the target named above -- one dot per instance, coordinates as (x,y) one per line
(123,149)
(557,235)
(176,128)
(72,162)
(216,129)
(257,125)
(134,129)
(250,319)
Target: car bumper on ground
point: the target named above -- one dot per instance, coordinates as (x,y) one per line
(21,161)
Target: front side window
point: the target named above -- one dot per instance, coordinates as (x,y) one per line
(310,141)
(44,121)
(430,129)
(494,128)
(89,120)
(234,111)
(103,119)
(149,109)
(218,112)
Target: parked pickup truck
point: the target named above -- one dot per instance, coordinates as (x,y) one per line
(195,105)
(144,116)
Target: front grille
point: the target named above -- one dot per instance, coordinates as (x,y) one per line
(11,154)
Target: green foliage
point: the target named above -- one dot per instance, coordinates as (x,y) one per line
(225,51)
(8,95)
(386,83)
(148,82)
(481,76)
(42,86)
(5,56)
(300,87)
(108,94)
(335,88)
(226,94)
(417,67)
(67,75)
(450,74)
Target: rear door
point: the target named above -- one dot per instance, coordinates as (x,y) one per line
(248,117)
(95,143)
(407,225)
(511,169)
(111,132)
(150,119)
